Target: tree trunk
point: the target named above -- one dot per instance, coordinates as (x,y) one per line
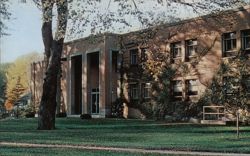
(53,52)
(48,102)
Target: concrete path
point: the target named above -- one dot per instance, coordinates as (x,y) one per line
(133,150)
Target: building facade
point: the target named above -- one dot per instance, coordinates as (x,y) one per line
(98,70)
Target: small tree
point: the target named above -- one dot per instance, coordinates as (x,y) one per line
(14,96)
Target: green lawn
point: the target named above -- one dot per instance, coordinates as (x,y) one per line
(10,151)
(126,133)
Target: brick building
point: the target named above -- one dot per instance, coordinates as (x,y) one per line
(97,70)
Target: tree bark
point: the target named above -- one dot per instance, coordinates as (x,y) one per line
(53,52)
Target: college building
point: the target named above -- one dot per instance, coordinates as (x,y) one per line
(99,69)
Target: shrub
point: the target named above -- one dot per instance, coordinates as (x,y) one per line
(117,108)
(30,115)
(85,116)
(61,115)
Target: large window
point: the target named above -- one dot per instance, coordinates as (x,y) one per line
(134,57)
(191,48)
(176,50)
(230,85)
(146,90)
(134,91)
(245,35)
(192,87)
(229,44)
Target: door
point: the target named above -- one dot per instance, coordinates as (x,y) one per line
(95,101)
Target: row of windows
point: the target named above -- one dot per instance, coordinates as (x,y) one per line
(229,47)
(230,86)
(230,42)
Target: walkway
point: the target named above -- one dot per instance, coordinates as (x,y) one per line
(133,150)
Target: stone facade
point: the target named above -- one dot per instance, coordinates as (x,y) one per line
(99,69)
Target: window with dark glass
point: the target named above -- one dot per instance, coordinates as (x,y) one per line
(191,47)
(176,49)
(245,35)
(192,87)
(134,91)
(229,43)
(134,57)
(146,90)
(230,85)
(177,88)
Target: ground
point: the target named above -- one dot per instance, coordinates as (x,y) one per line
(120,133)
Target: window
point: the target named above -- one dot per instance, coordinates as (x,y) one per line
(176,50)
(230,85)
(192,87)
(191,47)
(133,91)
(134,57)
(146,90)
(246,83)
(177,88)
(229,44)
(245,35)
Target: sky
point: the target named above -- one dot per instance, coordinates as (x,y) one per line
(25,30)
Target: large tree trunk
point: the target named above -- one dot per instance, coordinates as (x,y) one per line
(48,102)
(53,52)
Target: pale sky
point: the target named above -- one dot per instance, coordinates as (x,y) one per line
(25,31)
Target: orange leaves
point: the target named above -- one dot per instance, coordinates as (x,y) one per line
(8,105)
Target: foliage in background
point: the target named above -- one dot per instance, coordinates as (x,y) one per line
(3,85)
(14,95)
(18,76)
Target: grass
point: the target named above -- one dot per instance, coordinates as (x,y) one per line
(128,133)
(10,151)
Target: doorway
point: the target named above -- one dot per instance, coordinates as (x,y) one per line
(95,101)
(76,84)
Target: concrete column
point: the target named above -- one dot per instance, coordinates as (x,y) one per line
(84,84)
(102,83)
(69,77)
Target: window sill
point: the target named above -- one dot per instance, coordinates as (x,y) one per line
(229,53)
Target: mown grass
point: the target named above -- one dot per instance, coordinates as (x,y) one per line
(129,133)
(10,151)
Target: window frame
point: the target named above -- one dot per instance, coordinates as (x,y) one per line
(175,84)
(173,47)
(243,39)
(192,92)
(134,56)
(134,88)
(233,40)
(146,88)
(188,46)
